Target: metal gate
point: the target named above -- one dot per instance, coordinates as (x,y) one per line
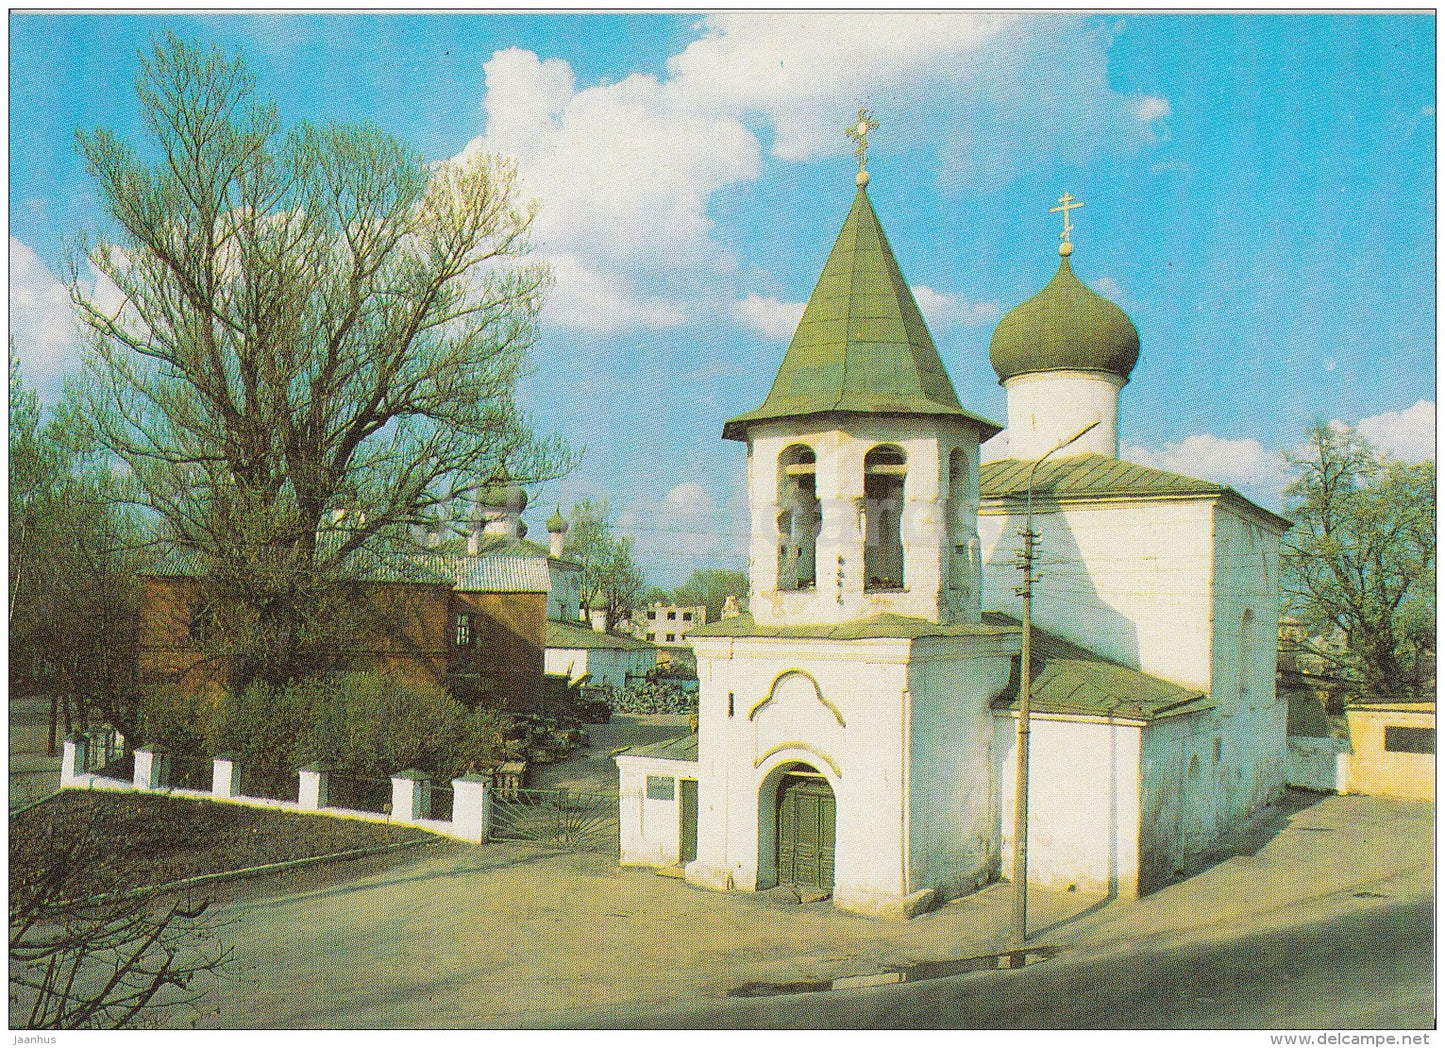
(557,818)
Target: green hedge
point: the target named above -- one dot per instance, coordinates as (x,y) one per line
(358,724)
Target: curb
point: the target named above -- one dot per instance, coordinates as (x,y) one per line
(257,871)
(33,804)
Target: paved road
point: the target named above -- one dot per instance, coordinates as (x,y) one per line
(1372,969)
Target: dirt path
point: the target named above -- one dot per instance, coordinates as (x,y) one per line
(592,769)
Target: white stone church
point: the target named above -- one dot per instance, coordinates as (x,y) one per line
(857,727)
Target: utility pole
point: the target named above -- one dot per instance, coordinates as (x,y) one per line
(1020,923)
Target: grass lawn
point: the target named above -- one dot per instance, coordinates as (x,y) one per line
(142,840)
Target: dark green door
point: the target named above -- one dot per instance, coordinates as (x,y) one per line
(687,835)
(807,817)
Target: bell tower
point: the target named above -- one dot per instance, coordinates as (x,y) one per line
(862,463)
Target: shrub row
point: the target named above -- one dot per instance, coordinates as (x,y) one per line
(358,724)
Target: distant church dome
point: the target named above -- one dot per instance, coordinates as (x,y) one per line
(1065,327)
(503,496)
(556,523)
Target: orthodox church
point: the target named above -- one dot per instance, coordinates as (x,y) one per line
(857,728)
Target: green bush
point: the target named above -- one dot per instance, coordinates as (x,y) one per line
(374,727)
(358,724)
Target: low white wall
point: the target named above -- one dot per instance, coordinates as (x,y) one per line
(649,827)
(1321,765)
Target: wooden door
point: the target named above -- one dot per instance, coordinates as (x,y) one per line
(687,814)
(807,818)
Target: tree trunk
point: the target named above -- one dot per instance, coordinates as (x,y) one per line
(50,727)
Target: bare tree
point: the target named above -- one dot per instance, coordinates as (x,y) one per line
(609,574)
(292,325)
(109,961)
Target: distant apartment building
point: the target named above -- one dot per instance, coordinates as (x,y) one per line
(667,625)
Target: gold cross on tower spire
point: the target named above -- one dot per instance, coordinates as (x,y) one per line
(1066,204)
(858,132)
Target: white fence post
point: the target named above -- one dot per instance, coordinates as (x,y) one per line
(72,759)
(410,795)
(152,768)
(315,787)
(225,777)
(472,808)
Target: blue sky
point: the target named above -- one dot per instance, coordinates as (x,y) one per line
(1259,197)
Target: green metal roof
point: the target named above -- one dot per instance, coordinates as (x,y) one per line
(1064,326)
(566,635)
(1068,679)
(682,748)
(1094,476)
(896,627)
(862,345)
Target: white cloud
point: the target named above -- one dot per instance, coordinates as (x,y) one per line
(42,321)
(1109,288)
(942,310)
(689,500)
(769,317)
(587,297)
(1244,464)
(1151,108)
(1408,435)
(627,171)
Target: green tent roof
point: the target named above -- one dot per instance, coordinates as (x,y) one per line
(862,346)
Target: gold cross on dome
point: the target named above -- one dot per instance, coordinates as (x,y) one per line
(1066,204)
(858,132)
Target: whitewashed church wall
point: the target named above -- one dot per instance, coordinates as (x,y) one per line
(1130,581)
(953,830)
(778,720)
(1083,803)
(1202,774)
(1047,407)
(1246,579)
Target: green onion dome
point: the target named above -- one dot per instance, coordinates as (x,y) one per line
(1065,327)
(556,523)
(498,496)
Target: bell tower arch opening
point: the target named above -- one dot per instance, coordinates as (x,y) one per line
(884,470)
(798,518)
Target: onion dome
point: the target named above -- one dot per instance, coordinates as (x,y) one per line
(1065,327)
(503,496)
(556,523)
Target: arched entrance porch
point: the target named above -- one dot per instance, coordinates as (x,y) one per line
(797,828)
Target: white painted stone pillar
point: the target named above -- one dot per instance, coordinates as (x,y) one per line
(314,792)
(225,777)
(472,808)
(72,759)
(410,795)
(152,768)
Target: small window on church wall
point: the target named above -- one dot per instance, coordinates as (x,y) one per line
(661,787)
(883,472)
(798,519)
